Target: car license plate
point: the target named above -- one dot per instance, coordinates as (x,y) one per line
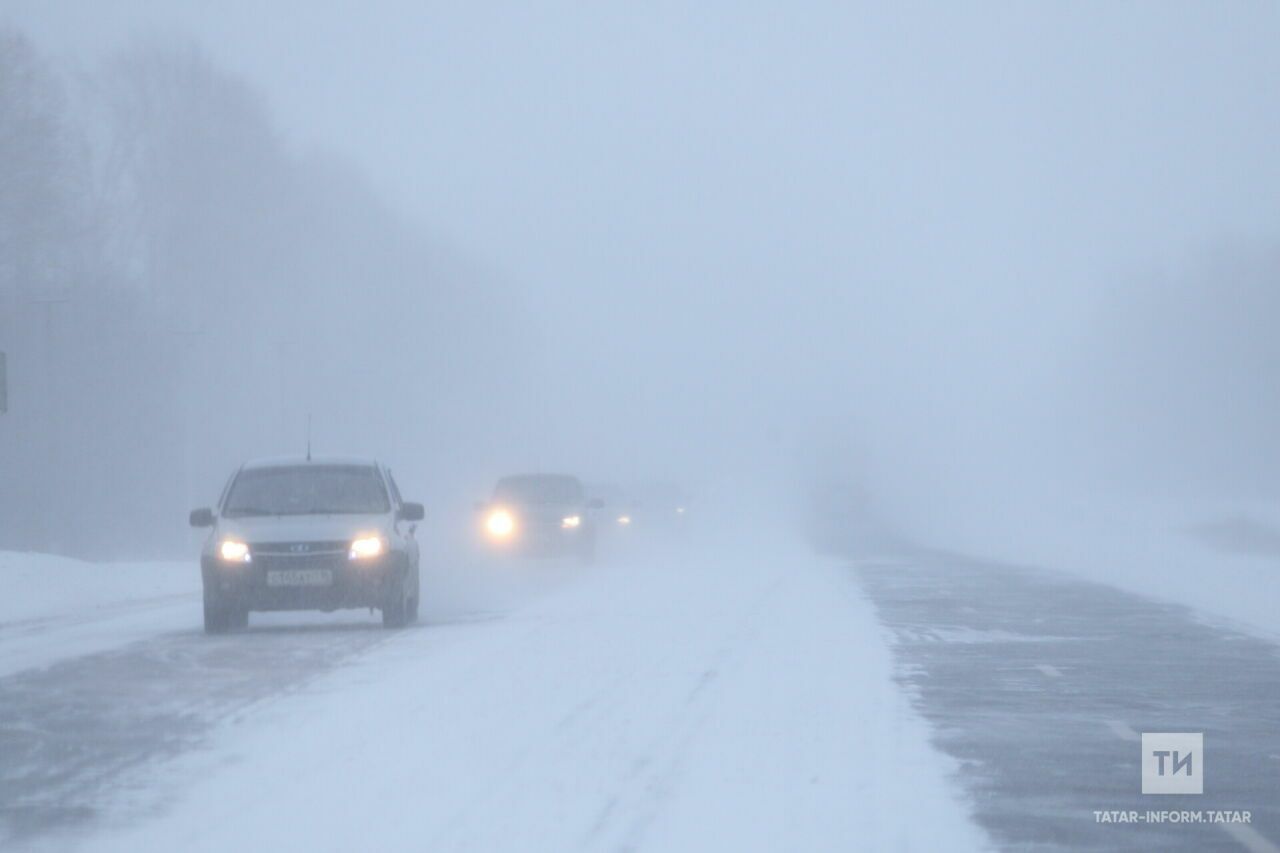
(300,577)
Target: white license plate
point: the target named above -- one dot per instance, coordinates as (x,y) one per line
(300,577)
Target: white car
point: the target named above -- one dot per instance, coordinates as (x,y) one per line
(304,534)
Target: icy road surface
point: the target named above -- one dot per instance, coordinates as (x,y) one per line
(1041,685)
(735,698)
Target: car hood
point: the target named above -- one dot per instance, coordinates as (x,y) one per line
(301,528)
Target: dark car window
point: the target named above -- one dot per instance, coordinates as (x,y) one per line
(539,489)
(307,490)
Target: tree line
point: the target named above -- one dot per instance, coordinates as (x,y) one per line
(180,290)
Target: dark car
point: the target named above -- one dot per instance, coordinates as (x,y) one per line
(302,534)
(648,509)
(540,515)
(618,507)
(660,507)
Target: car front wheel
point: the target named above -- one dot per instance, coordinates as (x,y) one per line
(395,613)
(218,616)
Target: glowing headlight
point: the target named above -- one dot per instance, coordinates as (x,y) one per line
(624,520)
(500,524)
(367,547)
(234,552)
(571,521)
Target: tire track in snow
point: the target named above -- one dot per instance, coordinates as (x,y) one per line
(637,777)
(70,733)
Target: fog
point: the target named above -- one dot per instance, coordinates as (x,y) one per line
(963,266)
(901,378)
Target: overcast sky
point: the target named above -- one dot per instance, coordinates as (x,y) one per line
(570,139)
(894,214)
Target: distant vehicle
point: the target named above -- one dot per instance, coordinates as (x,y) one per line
(540,515)
(618,507)
(659,507)
(300,534)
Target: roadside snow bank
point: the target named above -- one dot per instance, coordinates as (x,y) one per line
(1221,558)
(54,608)
(42,586)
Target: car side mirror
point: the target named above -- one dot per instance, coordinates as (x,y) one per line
(411,511)
(202,517)
(595,503)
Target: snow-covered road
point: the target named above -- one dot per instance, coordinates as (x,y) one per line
(736,697)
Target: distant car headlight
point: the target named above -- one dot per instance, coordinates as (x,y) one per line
(234,551)
(624,520)
(569,522)
(500,524)
(367,547)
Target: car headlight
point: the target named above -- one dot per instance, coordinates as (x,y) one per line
(624,520)
(234,551)
(500,524)
(569,522)
(367,547)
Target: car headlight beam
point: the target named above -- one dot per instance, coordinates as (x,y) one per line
(500,524)
(570,522)
(234,551)
(367,547)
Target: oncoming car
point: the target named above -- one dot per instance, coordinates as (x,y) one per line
(618,507)
(540,515)
(301,534)
(661,506)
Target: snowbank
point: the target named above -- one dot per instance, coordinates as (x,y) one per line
(1220,558)
(54,608)
(42,586)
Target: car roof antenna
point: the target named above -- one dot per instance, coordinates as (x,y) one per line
(308,436)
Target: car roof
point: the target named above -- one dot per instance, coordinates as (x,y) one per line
(297,461)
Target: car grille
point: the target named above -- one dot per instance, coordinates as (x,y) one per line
(300,555)
(300,549)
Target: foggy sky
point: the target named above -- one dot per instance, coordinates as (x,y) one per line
(910,242)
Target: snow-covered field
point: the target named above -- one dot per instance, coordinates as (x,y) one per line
(1219,558)
(697,698)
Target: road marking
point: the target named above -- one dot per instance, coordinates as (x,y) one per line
(1121,730)
(1051,671)
(1248,838)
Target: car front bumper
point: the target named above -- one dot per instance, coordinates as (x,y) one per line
(304,583)
(544,541)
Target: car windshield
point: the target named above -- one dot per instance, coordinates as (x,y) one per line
(539,489)
(307,490)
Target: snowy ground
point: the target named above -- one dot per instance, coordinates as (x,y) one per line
(41,586)
(740,697)
(54,608)
(1221,558)
(714,693)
